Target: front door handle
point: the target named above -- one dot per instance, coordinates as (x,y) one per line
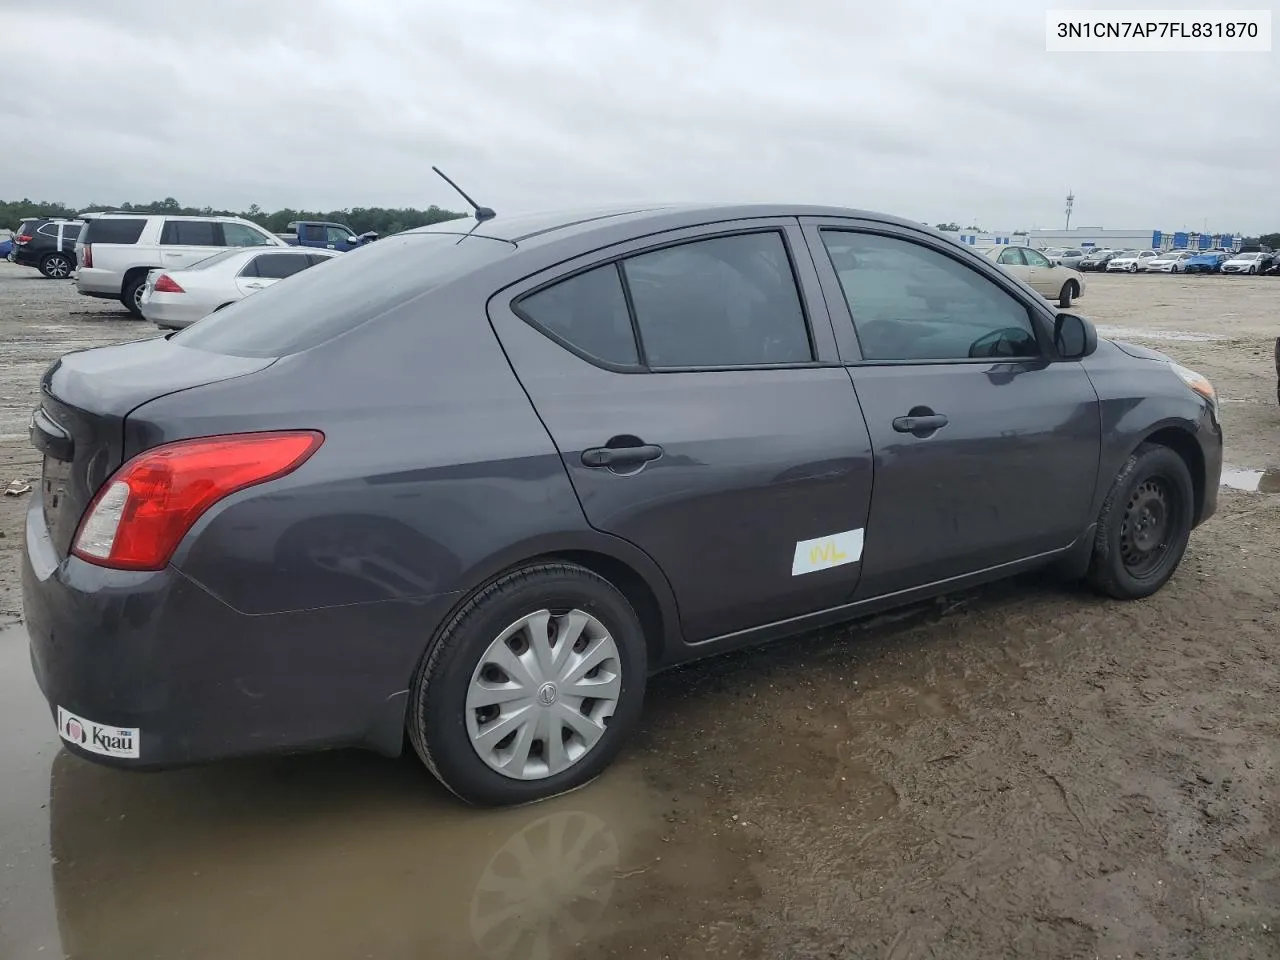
(620,456)
(920,424)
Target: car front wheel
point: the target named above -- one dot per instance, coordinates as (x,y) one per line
(1144,524)
(1067,293)
(531,688)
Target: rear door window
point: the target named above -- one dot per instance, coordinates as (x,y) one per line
(313,233)
(277,265)
(720,302)
(321,304)
(191,233)
(113,230)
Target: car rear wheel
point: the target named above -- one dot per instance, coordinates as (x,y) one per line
(1068,293)
(56,266)
(131,296)
(1144,524)
(531,688)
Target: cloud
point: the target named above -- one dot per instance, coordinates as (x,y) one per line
(931,110)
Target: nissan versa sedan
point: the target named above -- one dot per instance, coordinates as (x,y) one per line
(469,486)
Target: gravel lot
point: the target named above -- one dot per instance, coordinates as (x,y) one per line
(1025,770)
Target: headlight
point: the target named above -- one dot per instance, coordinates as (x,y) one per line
(1197,382)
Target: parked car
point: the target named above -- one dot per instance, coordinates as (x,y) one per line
(1207,262)
(174,299)
(1168,261)
(1052,253)
(1130,261)
(6,245)
(50,247)
(477,485)
(1070,257)
(1034,269)
(116,251)
(1096,259)
(326,236)
(1255,262)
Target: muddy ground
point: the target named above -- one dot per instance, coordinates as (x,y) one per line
(1022,771)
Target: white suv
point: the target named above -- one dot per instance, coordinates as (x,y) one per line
(116,250)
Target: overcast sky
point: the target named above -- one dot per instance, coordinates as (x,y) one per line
(936,110)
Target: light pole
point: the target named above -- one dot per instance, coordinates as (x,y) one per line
(1071,200)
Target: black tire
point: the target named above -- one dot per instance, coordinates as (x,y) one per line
(1120,568)
(130,294)
(437,704)
(1067,293)
(56,266)
(1133,268)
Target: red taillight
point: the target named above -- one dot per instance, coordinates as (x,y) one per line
(147,506)
(22,238)
(166,284)
(88,255)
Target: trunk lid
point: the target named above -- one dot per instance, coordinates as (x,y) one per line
(85,398)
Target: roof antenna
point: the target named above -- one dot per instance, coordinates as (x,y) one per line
(482,213)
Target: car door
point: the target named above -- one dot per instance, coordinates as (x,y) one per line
(339,239)
(695,396)
(1011,260)
(1044,278)
(986,447)
(269,268)
(184,242)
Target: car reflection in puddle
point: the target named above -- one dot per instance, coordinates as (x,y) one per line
(1254,481)
(335,856)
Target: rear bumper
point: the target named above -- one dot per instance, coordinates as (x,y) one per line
(25,257)
(164,312)
(93,282)
(201,681)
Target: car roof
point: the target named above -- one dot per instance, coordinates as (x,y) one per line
(138,215)
(557,225)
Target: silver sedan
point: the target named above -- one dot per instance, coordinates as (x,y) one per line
(178,298)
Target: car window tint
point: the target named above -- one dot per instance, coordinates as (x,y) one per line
(190,233)
(280,265)
(337,235)
(317,258)
(588,312)
(726,301)
(1011,257)
(1035,258)
(313,232)
(318,305)
(910,302)
(113,230)
(48,229)
(240,235)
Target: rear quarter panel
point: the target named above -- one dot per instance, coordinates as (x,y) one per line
(435,473)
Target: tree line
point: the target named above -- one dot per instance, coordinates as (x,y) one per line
(382,220)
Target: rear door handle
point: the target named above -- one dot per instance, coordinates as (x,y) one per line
(920,424)
(620,456)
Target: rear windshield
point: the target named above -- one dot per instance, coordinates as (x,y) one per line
(318,305)
(113,230)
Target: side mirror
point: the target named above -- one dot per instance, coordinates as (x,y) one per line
(1075,337)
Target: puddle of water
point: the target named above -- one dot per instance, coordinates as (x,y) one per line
(1142,333)
(333,855)
(1254,481)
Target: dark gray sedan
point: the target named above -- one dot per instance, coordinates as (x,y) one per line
(476,482)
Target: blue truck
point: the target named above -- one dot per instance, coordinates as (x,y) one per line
(320,233)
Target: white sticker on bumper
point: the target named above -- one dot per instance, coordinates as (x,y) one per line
(821,553)
(96,738)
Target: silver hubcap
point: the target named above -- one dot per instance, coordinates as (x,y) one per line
(542,694)
(59,268)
